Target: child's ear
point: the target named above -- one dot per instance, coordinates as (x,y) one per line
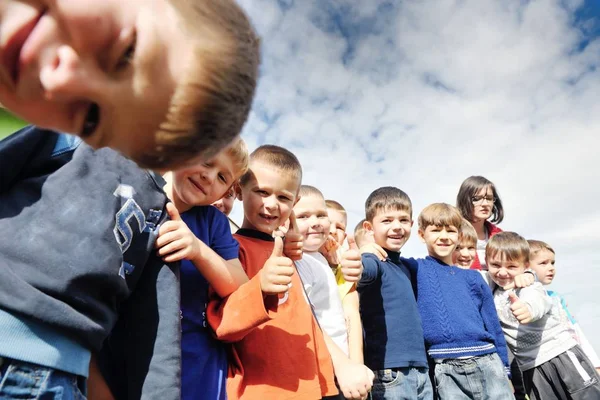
(368,226)
(237,189)
(421,235)
(297,200)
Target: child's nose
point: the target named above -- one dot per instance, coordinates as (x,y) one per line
(69,77)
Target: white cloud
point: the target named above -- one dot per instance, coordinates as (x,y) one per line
(422,94)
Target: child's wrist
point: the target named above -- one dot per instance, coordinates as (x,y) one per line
(532,272)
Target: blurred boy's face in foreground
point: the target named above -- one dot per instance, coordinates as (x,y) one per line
(103,70)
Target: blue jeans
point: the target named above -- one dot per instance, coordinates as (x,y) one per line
(21,380)
(402,384)
(480,378)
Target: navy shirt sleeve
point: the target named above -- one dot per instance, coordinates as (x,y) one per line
(221,240)
(370,269)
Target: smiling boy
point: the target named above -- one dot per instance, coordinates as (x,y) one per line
(163,81)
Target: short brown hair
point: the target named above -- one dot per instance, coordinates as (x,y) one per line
(467,234)
(439,214)
(509,244)
(535,246)
(307,190)
(277,157)
(387,198)
(468,189)
(212,101)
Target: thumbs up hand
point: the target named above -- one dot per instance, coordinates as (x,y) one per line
(351,262)
(519,309)
(175,240)
(276,274)
(293,240)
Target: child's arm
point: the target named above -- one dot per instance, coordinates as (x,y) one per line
(354,379)
(97,389)
(177,242)
(370,269)
(489,315)
(350,303)
(586,347)
(253,303)
(531,304)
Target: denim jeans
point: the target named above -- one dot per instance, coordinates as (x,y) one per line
(402,384)
(21,380)
(476,378)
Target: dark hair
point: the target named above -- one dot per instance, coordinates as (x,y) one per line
(440,214)
(468,189)
(385,198)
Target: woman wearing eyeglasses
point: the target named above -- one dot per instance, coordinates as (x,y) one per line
(479,203)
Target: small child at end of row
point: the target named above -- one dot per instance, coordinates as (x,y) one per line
(553,364)
(542,259)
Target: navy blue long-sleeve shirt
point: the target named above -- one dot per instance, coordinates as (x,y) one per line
(78,268)
(390,317)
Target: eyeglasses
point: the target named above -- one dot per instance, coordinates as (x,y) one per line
(478,200)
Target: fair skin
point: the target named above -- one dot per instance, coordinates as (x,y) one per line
(199,185)
(225,203)
(483,204)
(440,241)
(464,254)
(355,379)
(338,224)
(542,263)
(390,230)
(268,198)
(503,272)
(102,70)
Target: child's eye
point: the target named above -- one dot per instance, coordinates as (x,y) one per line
(283,198)
(128,54)
(222,178)
(91,121)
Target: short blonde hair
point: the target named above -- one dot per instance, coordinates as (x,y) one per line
(212,101)
(359,233)
(440,214)
(511,245)
(467,234)
(238,151)
(535,246)
(307,190)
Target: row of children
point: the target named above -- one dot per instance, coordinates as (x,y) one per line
(415,313)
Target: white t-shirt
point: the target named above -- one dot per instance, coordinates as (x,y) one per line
(481,250)
(322,291)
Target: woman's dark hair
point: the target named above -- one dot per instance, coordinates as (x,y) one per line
(468,189)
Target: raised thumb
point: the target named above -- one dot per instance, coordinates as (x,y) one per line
(352,243)
(172,211)
(278,248)
(513,298)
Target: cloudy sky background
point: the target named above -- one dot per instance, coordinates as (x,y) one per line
(422,94)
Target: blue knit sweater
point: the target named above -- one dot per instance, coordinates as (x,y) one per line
(457,311)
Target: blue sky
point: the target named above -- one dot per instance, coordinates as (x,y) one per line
(422,94)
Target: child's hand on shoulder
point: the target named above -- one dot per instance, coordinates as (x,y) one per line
(175,240)
(519,308)
(351,262)
(373,248)
(329,250)
(355,380)
(276,274)
(294,241)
